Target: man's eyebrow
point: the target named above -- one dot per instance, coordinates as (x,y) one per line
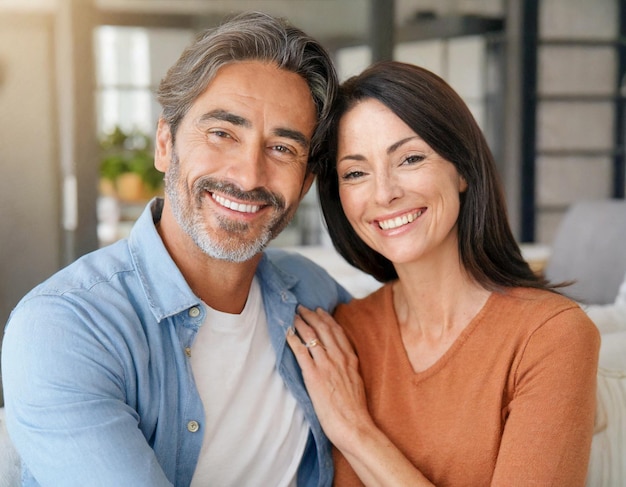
(295,135)
(225,116)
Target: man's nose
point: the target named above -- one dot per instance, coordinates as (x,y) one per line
(249,170)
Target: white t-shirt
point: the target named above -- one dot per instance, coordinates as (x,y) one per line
(254,432)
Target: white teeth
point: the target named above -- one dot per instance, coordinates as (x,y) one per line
(399,221)
(240,207)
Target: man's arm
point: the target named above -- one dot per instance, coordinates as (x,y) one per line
(66,401)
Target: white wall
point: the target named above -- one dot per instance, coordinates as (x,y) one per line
(29,189)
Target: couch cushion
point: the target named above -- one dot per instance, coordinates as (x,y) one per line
(607,465)
(9,461)
(589,249)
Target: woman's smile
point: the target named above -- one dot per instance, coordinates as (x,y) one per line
(399,221)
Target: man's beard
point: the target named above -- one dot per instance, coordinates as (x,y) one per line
(236,246)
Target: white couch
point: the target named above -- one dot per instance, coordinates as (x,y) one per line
(588,248)
(608,455)
(9,460)
(607,465)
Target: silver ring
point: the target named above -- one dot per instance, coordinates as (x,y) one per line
(312,343)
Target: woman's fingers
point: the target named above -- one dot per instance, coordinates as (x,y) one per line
(325,342)
(321,346)
(326,328)
(330,370)
(311,340)
(295,336)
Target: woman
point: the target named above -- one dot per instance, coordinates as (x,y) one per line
(471,369)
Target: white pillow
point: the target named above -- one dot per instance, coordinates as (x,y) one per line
(9,460)
(607,466)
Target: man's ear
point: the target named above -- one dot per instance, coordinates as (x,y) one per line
(163,146)
(306,185)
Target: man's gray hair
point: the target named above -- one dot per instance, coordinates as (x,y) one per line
(251,36)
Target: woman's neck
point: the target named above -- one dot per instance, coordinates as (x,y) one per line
(433,305)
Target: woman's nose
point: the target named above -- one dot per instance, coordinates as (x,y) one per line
(387,188)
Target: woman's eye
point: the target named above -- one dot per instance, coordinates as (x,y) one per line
(352,175)
(414,159)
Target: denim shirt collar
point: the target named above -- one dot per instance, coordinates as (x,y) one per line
(155,266)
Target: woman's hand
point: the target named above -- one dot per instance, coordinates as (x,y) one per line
(331,374)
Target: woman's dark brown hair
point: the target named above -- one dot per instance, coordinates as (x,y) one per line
(434,111)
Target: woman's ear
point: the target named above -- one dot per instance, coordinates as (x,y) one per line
(462,184)
(163,146)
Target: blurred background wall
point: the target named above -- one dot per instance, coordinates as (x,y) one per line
(542,77)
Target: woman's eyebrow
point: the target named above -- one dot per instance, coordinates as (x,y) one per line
(395,146)
(352,157)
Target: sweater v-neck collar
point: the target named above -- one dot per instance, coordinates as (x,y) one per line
(403,356)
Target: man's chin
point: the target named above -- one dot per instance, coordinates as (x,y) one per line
(236,252)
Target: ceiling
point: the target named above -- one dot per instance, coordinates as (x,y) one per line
(338,20)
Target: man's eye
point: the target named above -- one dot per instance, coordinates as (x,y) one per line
(282,148)
(220,133)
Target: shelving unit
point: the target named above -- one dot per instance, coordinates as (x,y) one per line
(566,113)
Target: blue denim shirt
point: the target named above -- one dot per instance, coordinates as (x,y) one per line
(98,386)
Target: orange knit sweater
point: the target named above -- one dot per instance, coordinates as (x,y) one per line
(511,403)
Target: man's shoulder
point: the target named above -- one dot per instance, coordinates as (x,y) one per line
(93,290)
(305,278)
(87,272)
(296,265)
(293,262)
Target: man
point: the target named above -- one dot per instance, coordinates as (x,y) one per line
(161,360)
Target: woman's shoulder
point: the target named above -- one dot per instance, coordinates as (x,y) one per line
(547,331)
(532,309)
(375,307)
(378,297)
(537,300)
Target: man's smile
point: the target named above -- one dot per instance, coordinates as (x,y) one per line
(232,205)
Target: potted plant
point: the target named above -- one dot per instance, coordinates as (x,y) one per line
(127,166)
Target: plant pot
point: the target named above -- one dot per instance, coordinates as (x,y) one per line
(131,188)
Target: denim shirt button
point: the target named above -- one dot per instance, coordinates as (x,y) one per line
(193,426)
(194,312)
(188,351)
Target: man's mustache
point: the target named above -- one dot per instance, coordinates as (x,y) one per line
(256,195)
